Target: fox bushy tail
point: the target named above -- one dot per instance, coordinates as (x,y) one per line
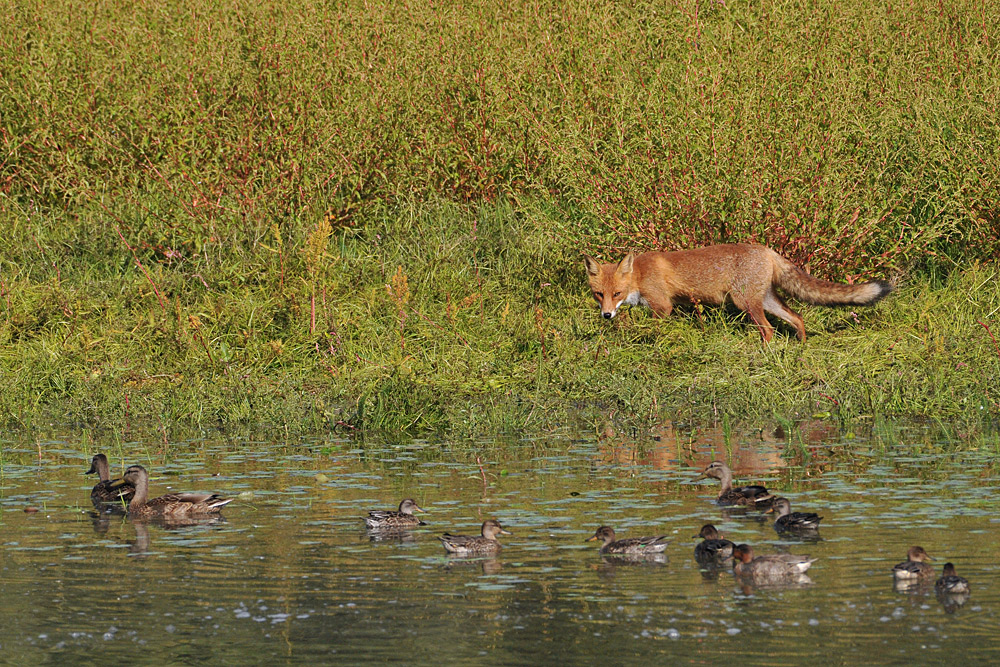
(804,287)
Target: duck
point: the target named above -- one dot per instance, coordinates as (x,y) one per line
(713,547)
(628,546)
(389,520)
(792,521)
(950,583)
(104,494)
(170,505)
(770,566)
(467,545)
(752,496)
(915,565)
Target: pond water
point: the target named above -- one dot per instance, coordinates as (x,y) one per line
(291,575)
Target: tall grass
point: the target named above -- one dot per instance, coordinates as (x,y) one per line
(849,136)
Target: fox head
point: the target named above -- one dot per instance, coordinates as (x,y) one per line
(612,284)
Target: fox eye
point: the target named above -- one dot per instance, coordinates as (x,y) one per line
(599,295)
(617,294)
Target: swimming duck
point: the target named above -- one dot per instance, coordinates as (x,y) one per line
(170,505)
(467,545)
(770,566)
(753,496)
(628,546)
(713,547)
(792,521)
(387,519)
(103,494)
(950,582)
(915,566)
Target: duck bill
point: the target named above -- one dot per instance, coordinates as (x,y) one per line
(770,511)
(591,538)
(116,483)
(503,531)
(91,471)
(419,509)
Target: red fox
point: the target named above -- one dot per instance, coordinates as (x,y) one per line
(744,272)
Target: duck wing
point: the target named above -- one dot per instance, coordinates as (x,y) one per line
(104,492)
(798,520)
(715,548)
(952,584)
(637,545)
(189,503)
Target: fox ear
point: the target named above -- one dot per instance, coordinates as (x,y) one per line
(593,267)
(625,266)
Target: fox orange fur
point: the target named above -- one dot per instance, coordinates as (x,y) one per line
(746,274)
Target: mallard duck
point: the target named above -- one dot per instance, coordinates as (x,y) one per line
(713,547)
(753,496)
(915,566)
(390,520)
(467,545)
(103,494)
(792,521)
(951,583)
(628,546)
(770,566)
(170,505)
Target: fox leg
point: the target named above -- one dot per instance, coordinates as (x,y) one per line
(659,303)
(775,305)
(753,306)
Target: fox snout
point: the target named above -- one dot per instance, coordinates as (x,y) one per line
(607,315)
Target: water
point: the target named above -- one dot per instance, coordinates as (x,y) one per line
(290,574)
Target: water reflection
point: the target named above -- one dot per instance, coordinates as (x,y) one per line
(951,602)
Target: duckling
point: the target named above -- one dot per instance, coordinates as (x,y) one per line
(792,521)
(103,494)
(770,566)
(753,496)
(629,546)
(915,566)
(951,583)
(466,545)
(713,547)
(170,505)
(388,520)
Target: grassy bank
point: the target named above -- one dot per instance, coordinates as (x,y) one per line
(368,215)
(470,320)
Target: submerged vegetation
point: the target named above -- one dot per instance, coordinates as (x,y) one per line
(372,216)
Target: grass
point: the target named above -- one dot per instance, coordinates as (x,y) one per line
(371,216)
(475,321)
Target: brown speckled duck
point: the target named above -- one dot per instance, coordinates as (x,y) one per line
(774,567)
(628,546)
(395,520)
(104,495)
(467,545)
(713,547)
(915,565)
(751,496)
(793,521)
(170,505)
(950,583)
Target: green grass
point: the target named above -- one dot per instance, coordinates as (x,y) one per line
(493,331)
(371,216)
